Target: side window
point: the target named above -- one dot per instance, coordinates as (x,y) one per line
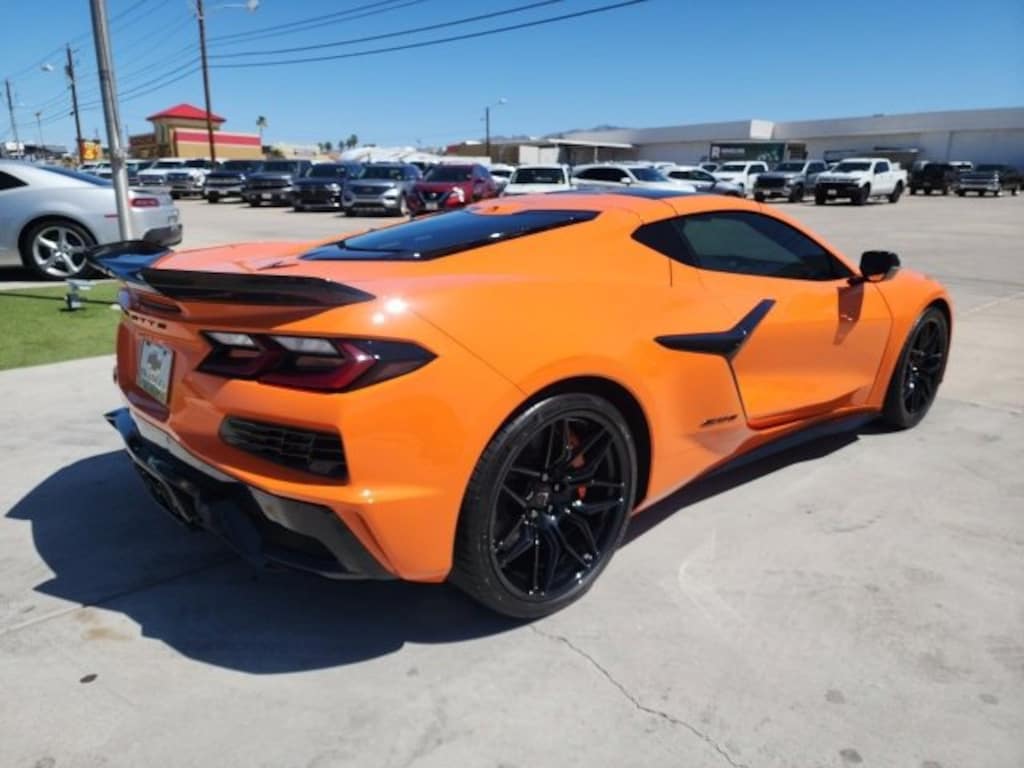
(587,173)
(759,168)
(754,244)
(881,167)
(816,168)
(9,182)
(610,174)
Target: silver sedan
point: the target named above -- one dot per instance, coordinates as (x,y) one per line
(49,218)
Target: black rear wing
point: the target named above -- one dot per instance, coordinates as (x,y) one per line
(132,261)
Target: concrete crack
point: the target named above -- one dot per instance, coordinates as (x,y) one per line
(634,700)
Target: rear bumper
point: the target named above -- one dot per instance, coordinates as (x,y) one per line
(263,528)
(170,235)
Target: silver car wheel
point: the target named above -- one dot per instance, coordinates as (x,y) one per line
(59,250)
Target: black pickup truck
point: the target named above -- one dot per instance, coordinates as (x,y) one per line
(991,178)
(274,183)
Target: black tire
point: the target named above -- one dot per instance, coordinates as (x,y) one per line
(961,193)
(511,475)
(350,211)
(212,199)
(913,191)
(403,206)
(981,193)
(44,261)
(913,385)
(759,196)
(797,195)
(819,198)
(861,196)
(1015,191)
(998,192)
(894,196)
(254,203)
(945,190)
(298,208)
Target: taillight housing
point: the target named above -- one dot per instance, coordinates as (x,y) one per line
(316,363)
(145,202)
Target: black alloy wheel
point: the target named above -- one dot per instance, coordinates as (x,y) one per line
(916,378)
(546,507)
(797,195)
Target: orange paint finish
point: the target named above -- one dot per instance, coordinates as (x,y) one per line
(506,322)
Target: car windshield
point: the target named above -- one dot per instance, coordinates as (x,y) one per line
(445,234)
(851,167)
(988,168)
(649,174)
(88,178)
(538,176)
(449,173)
(240,165)
(392,172)
(168,164)
(501,172)
(733,168)
(797,167)
(197,164)
(326,172)
(280,166)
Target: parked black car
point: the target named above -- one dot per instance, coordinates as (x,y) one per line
(934,177)
(322,185)
(274,183)
(228,179)
(991,178)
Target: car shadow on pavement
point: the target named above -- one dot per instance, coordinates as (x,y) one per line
(109,545)
(808,445)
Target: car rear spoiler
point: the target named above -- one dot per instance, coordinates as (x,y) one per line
(132,261)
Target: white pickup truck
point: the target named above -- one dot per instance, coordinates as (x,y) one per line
(859,178)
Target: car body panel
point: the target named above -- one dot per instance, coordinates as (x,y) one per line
(506,321)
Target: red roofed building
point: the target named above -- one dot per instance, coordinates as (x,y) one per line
(180,131)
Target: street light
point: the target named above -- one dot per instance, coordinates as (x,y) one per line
(249,5)
(487,122)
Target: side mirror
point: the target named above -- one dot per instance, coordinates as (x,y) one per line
(876,266)
(626,180)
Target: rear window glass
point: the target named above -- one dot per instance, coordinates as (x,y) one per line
(445,234)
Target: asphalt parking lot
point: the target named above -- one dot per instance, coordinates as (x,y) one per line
(855,601)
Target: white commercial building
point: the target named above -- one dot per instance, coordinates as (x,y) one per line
(979,135)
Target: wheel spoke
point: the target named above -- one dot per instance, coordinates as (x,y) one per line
(596,507)
(583,527)
(515,497)
(592,463)
(47,243)
(553,551)
(514,545)
(525,471)
(568,547)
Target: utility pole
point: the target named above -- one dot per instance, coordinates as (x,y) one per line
(108,90)
(487,129)
(206,78)
(69,70)
(39,127)
(10,108)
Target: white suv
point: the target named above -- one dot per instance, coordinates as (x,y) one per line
(744,175)
(625,175)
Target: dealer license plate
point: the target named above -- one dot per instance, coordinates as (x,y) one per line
(831,193)
(431,206)
(154,372)
(266,196)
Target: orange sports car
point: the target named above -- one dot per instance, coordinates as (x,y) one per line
(488,395)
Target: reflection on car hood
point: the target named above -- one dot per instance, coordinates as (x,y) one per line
(781,175)
(272,175)
(226,175)
(381,184)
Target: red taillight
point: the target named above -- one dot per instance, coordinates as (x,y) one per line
(304,362)
(145,202)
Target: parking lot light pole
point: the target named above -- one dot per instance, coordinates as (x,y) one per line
(201,17)
(108,92)
(487,123)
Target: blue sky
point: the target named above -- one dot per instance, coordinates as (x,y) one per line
(660,62)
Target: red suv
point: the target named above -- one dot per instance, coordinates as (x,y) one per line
(451,186)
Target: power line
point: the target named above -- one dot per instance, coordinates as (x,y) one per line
(414,30)
(371,9)
(438,41)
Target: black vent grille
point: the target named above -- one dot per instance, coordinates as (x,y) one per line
(319,453)
(771,182)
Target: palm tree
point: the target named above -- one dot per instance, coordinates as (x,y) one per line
(261,123)
(352,141)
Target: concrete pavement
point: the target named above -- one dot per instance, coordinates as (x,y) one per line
(856,601)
